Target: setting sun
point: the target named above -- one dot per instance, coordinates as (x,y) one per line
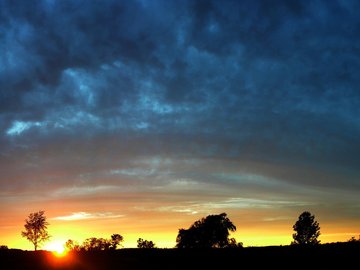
(57,247)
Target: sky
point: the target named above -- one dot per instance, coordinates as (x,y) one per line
(141,117)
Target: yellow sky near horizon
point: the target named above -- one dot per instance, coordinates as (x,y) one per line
(268,232)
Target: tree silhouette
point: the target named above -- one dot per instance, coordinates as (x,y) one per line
(209,232)
(307,230)
(36,229)
(93,243)
(354,240)
(141,243)
(233,244)
(72,245)
(116,240)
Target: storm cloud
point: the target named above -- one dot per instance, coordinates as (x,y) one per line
(140,94)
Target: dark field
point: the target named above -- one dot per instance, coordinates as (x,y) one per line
(329,256)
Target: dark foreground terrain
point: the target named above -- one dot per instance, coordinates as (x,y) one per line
(329,256)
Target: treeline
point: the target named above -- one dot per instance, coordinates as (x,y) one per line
(94,244)
(212,231)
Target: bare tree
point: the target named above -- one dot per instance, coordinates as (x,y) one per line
(36,229)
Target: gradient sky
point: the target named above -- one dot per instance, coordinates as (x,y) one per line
(140,117)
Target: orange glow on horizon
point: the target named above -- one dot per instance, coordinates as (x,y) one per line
(58,259)
(167,240)
(57,248)
(60,253)
(252,230)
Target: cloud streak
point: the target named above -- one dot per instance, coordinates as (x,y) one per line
(85,215)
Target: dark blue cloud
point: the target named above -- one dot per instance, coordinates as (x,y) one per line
(252,79)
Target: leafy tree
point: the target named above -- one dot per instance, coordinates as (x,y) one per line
(233,244)
(36,229)
(307,230)
(354,240)
(141,243)
(3,247)
(94,243)
(209,232)
(71,245)
(116,240)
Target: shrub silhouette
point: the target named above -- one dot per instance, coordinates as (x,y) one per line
(72,245)
(116,240)
(141,243)
(307,230)
(93,243)
(354,240)
(233,244)
(209,232)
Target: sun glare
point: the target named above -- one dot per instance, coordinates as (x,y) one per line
(57,248)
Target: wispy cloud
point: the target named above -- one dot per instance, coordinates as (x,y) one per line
(83,191)
(19,127)
(85,215)
(231,203)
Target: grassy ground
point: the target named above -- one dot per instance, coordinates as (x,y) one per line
(333,256)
